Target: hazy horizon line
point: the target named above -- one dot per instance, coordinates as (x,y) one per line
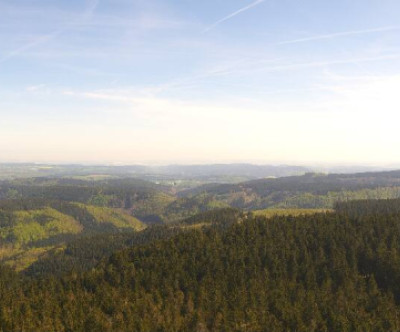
(388,165)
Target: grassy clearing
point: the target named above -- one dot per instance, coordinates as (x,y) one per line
(116,217)
(23,259)
(34,225)
(19,247)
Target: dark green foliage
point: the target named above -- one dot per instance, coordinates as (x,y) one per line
(336,271)
(86,252)
(378,207)
(226,216)
(112,193)
(7,219)
(186,207)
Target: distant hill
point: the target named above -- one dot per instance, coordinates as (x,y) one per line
(145,200)
(155,203)
(231,170)
(311,190)
(207,173)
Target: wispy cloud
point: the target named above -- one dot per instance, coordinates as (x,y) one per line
(38,41)
(86,15)
(339,34)
(228,17)
(313,64)
(273,65)
(34,88)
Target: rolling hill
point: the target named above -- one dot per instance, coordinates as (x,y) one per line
(308,191)
(30,228)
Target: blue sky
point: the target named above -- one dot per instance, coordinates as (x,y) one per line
(129,81)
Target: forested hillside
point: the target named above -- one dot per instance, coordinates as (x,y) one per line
(39,217)
(30,228)
(308,191)
(334,271)
(155,203)
(145,200)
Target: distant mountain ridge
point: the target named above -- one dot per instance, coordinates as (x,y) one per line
(312,190)
(239,171)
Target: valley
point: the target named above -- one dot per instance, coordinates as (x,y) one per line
(112,253)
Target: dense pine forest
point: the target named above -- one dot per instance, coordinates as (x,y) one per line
(125,254)
(334,271)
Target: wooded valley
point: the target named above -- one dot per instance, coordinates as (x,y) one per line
(303,253)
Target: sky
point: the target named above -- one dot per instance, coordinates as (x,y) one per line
(157,82)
